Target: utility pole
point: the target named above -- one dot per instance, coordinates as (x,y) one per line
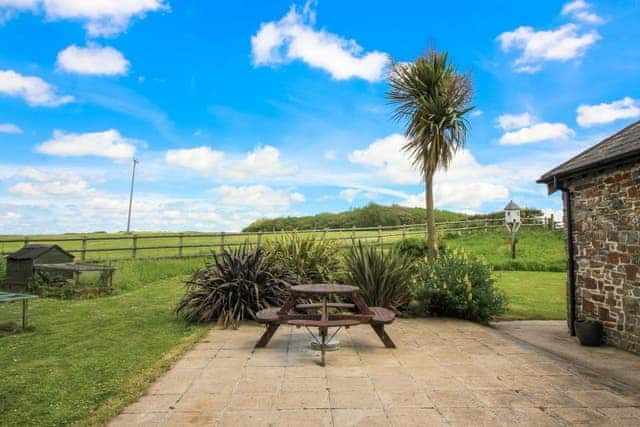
(133,177)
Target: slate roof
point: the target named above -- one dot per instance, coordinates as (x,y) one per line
(619,147)
(34,251)
(511,206)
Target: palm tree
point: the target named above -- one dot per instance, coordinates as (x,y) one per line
(433,99)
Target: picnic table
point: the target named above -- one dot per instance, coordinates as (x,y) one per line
(325,314)
(12,297)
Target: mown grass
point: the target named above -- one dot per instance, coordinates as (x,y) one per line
(86,359)
(537,249)
(533,295)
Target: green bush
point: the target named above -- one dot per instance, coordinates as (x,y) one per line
(413,247)
(384,277)
(234,287)
(314,260)
(458,285)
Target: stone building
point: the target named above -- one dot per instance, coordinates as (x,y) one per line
(601,193)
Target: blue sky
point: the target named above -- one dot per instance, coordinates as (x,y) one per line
(241,110)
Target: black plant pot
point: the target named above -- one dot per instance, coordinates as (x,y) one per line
(589,332)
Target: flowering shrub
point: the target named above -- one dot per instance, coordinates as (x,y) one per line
(457,285)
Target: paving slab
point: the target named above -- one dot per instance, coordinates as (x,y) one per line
(444,372)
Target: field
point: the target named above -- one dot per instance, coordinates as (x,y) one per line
(538,249)
(86,359)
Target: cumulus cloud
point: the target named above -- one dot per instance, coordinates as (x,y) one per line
(514,121)
(203,160)
(9,128)
(38,183)
(388,159)
(581,10)
(34,90)
(261,197)
(625,108)
(536,47)
(294,38)
(349,194)
(537,133)
(100,17)
(93,59)
(101,144)
(330,154)
(262,162)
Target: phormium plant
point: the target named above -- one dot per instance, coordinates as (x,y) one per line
(313,259)
(235,286)
(384,277)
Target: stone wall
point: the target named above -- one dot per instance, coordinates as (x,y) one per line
(606,220)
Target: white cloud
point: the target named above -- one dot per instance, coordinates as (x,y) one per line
(261,197)
(33,90)
(389,160)
(9,128)
(625,108)
(580,10)
(262,162)
(200,159)
(39,184)
(349,194)
(514,121)
(536,47)
(294,38)
(102,144)
(330,155)
(100,17)
(93,59)
(537,133)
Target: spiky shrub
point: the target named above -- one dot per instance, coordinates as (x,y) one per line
(234,286)
(413,247)
(313,259)
(384,277)
(457,285)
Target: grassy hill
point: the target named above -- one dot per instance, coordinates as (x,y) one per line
(368,216)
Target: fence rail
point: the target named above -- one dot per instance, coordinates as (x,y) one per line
(182,245)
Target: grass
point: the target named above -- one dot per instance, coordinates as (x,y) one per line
(533,295)
(86,359)
(537,249)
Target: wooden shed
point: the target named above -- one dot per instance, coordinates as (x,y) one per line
(20,265)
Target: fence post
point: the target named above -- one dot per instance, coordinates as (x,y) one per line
(134,246)
(404,233)
(222,241)
(180,245)
(380,235)
(83,252)
(259,238)
(26,240)
(552,222)
(324,234)
(353,235)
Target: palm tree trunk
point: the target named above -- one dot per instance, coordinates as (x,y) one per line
(432,234)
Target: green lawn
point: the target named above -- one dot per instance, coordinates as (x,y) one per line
(86,359)
(533,295)
(537,249)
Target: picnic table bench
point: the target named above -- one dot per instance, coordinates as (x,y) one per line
(13,297)
(318,315)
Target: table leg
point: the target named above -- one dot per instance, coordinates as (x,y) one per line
(25,314)
(288,305)
(360,303)
(268,334)
(386,340)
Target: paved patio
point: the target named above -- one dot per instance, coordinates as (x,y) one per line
(444,372)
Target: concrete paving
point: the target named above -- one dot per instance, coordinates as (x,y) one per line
(444,372)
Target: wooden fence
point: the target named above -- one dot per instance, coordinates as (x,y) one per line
(121,246)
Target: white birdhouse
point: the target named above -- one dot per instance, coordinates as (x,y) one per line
(512,216)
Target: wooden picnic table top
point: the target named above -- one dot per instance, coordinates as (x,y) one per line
(323,289)
(9,297)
